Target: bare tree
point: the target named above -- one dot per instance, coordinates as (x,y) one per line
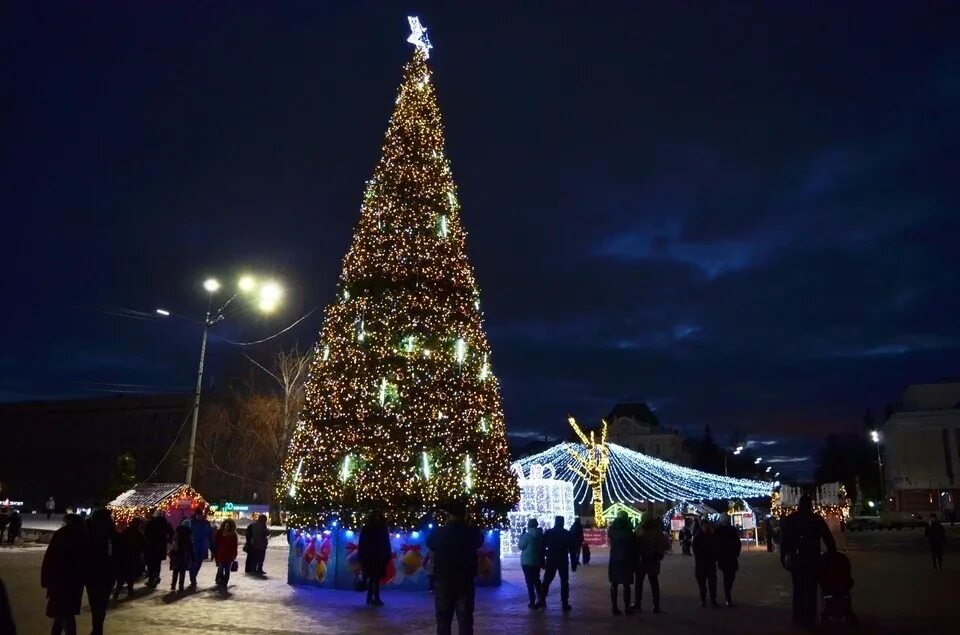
(245,443)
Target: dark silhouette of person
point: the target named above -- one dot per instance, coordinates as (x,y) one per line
(101,567)
(62,574)
(768,532)
(623,560)
(258,535)
(936,536)
(7,627)
(531,561)
(727,545)
(202,537)
(158,533)
(13,526)
(802,532)
(181,556)
(705,562)
(4,520)
(686,538)
(454,548)
(651,546)
(576,532)
(128,556)
(374,552)
(558,555)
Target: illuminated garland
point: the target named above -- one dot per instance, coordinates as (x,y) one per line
(403,413)
(632,477)
(841,510)
(122,514)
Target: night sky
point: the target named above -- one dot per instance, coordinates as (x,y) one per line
(743,214)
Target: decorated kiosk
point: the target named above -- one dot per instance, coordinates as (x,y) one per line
(176,501)
(403,412)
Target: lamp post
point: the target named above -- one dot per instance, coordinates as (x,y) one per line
(270,293)
(875,437)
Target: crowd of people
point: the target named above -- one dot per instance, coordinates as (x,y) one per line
(93,554)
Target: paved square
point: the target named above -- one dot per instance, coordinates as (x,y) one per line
(896,592)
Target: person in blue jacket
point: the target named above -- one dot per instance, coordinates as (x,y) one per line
(202,535)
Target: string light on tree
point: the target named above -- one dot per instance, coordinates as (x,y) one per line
(592,464)
(402,342)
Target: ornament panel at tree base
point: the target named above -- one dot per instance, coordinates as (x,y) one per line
(328,559)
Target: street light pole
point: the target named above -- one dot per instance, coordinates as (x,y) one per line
(196,399)
(875,436)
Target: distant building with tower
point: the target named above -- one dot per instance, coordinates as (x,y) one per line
(921,449)
(635,426)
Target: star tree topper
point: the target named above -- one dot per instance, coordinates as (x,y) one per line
(418,35)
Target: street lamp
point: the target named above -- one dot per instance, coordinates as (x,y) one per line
(875,437)
(270,295)
(736,451)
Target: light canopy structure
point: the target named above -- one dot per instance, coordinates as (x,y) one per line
(632,477)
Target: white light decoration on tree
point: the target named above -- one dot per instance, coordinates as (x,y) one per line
(418,35)
(633,477)
(460,350)
(296,477)
(542,496)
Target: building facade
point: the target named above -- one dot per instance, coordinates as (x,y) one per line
(635,426)
(921,448)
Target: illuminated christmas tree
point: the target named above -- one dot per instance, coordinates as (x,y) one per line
(403,412)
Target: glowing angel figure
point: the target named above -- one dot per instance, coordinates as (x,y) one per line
(418,35)
(592,467)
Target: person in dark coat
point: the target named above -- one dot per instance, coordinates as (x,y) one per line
(7,627)
(454,548)
(576,532)
(259,536)
(623,558)
(558,557)
(651,546)
(181,555)
(62,574)
(4,521)
(768,532)
(128,556)
(727,545)
(202,536)
(801,535)
(250,562)
(101,567)
(374,552)
(936,536)
(13,526)
(158,534)
(705,562)
(686,538)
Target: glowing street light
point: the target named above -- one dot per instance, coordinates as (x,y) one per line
(163,312)
(757,462)
(738,450)
(270,294)
(875,437)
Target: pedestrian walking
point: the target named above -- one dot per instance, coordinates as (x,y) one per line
(259,536)
(802,532)
(100,572)
(705,562)
(374,552)
(531,561)
(50,506)
(586,553)
(623,560)
(202,536)
(576,532)
(558,556)
(768,532)
(128,556)
(7,627)
(4,521)
(250,562)
(158,534)
(181,555)
(936,536)
(651,547)
(13,526)
(454,547)
(727,545)
(686,538)
(62,574)
(226,543)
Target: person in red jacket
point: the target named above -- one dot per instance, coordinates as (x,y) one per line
(225,543)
